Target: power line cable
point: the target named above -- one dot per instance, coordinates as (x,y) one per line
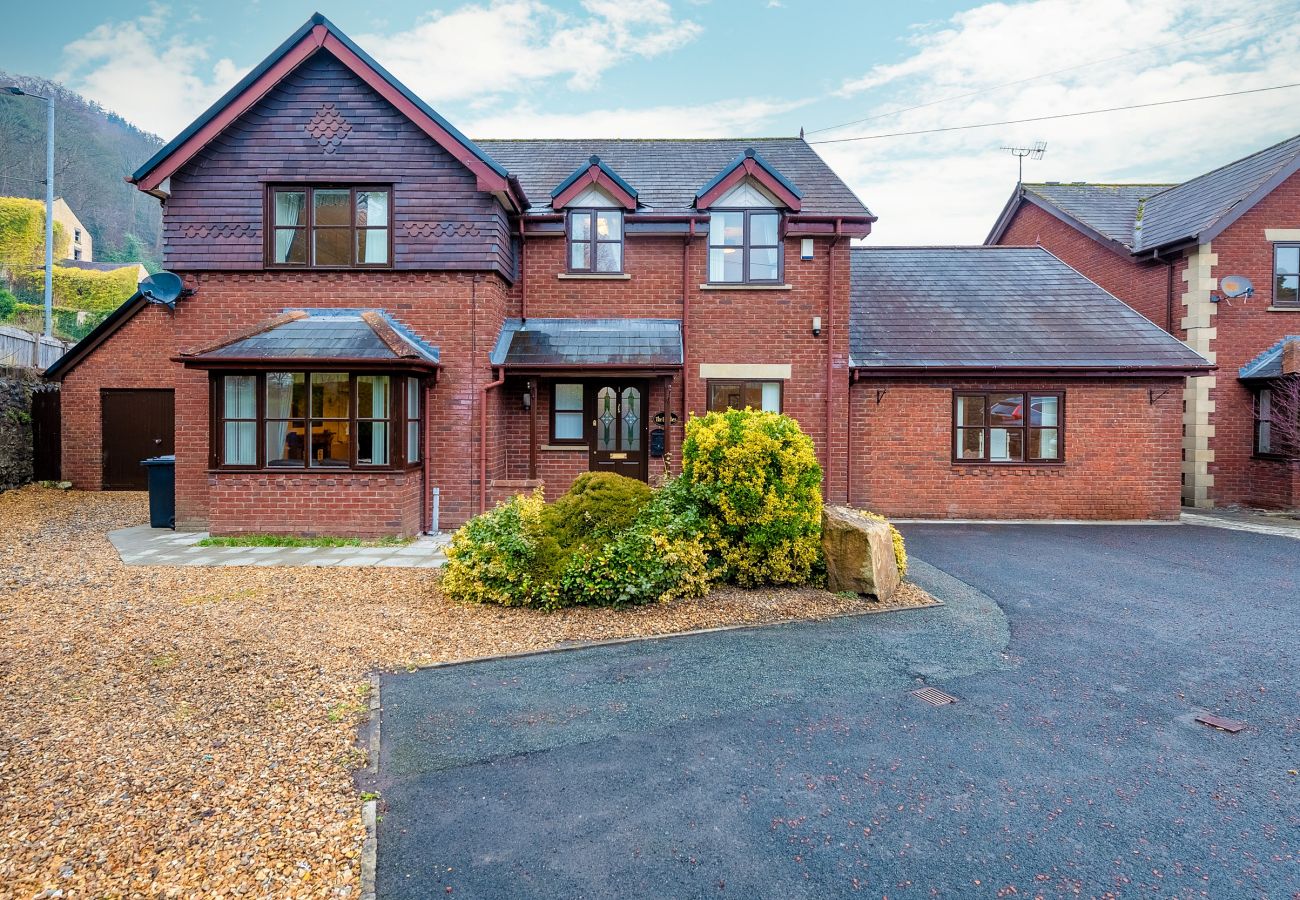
(1087,112)
(997,87)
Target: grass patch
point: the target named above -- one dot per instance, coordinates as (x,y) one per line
(279,540)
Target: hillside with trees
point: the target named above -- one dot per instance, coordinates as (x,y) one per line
(94,151)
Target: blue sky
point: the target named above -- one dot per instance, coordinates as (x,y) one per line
(755,67)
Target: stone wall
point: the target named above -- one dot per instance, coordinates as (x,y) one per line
(16,387)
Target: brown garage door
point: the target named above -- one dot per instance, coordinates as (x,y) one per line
(136,425)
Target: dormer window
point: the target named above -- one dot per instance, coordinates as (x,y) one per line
(745,246)
(596,241)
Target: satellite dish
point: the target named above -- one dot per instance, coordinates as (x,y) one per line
(1234,286)
(163,287)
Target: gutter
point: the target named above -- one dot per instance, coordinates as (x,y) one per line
(1023,371)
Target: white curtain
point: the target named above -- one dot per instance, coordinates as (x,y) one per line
(288,211)
(373,213)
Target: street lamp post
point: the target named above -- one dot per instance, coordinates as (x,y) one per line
(49,203)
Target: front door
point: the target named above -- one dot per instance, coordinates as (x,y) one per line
(617,435)
(136,425)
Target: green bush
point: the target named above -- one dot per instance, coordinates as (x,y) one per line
(755,478)
(526,553)
(8,304)
(22,233)
(80,289)
(69,324)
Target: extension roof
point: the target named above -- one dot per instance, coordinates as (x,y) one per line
(1144,218)
(368,337)
(669,173)
(579,343)
(918,310)
(1269,363)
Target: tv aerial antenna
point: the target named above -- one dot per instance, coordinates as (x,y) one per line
(1034,152)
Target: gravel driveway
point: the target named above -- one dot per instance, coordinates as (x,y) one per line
(791,762)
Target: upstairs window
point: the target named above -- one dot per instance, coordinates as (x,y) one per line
(329,227)
(1008,427)
(596,241)
(745,247)
(1286,274)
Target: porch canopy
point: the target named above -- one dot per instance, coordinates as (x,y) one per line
(556,346)
(334,338)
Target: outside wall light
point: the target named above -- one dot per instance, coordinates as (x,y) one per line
(527,399)
(817,326)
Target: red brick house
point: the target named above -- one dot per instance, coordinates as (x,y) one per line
(388,327)
(1168,251)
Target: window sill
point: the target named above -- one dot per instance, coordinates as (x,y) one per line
(315,470)
(574,448)
(709,286)
(1283,308)
(593,276)
(1012,464)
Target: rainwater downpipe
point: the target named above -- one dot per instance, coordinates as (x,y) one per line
(830,347)
(686,324)
(482,437)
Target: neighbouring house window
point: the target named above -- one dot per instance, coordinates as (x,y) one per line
(744,246)
(764,395)
(317,420)
(1264,422)
(567,414)
(76,253)
(1286,274)
(328,227)
(76,235)
(1008,427)
(596,241)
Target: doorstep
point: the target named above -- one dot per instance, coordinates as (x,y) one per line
(145,546)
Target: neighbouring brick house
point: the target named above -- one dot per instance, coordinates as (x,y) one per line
(1169,251)
(388,327)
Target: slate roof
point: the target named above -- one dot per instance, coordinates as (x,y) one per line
(668,173)
(989,308)
(323,335)
(1269,363)
(1109,209)
(1189,209)
(634,343)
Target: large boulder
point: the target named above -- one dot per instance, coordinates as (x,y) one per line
(859,553)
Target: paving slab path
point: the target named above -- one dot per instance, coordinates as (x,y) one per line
(145,546)
(792,761)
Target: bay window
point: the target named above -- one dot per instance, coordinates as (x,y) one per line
(1008,427)
(745,246)
(316,420)
(329,227)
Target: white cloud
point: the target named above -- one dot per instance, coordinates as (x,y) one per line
(750,117)
(146,72)
(949,187)
(510,46)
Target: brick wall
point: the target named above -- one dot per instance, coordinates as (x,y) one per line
(138,355)
(1121,453)
(1243,330)
(311,504)
(1142,285)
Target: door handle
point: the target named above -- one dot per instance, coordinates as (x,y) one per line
(157,440)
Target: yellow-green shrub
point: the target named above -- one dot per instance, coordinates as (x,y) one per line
(80,289)
(22,233)
(491,557)
(900,550)
(755,478)
(591,513)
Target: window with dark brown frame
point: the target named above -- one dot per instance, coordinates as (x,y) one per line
(319,227)
(1286,275)
(1008,426)
(1264,422)
(764,395)
(568,413)
(596,241)
(745,247)
(315,420)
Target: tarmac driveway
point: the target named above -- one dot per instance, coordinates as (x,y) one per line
(790,761)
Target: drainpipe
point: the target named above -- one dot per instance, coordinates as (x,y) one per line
(686,327)
(482,437)
(1169,298)
(830,347)
(523,272)
(426,508)
(848,444)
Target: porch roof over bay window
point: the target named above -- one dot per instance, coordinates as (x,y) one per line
(559,344)
(352,338)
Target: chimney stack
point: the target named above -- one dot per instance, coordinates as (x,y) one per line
(1291,358)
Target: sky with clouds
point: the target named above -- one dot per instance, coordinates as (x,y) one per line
(694,68)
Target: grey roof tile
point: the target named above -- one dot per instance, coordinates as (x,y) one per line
(1109,209)
(994,308)
(1188,209)
(667,173)
(1269,363)
(324,334)
(589,342)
